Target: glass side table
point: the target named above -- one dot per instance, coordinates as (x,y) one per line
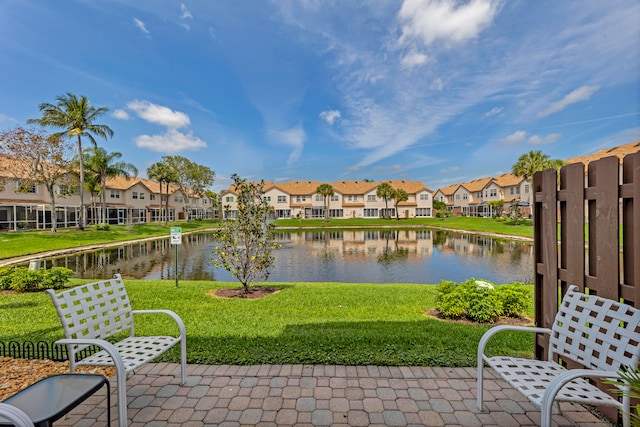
(53,397)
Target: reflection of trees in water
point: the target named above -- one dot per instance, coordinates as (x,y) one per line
(391,253)
(440,237)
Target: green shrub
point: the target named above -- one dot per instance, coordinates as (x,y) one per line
(480,301)
(103,227)
(24,280)
(514,297)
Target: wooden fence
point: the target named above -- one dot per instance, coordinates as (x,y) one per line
(587,233)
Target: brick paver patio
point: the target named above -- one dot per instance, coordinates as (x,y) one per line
(313,395)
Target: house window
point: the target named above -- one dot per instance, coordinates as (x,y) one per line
(301,199)
(335,198)
(152,196)
(493,192)
(371,213)
(115,194)
(371,198)
(352,197)
(423,212)
(526,188)
(267,198)
(465,196)
(134,195)
(479,195)
(27,187)
(141,196)
(457,197)
(229,199)
(335,213)
(282,199)
(424,196)
(319,198)
(512,191)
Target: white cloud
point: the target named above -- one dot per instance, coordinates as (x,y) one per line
(159,114)
(141,25)
(4,118)
(516,138)
(184,12)
(437,84)
(450,169)
(426,21)
(121,114)
(494,111)
(172,141)
(212,32)
(583,93)
(294,138)
(330,116)
(538,140)
(185,15)
(414,59)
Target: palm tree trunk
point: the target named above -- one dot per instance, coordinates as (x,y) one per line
(81,219)
(104,200)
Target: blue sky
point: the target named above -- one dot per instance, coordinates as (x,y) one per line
(436,91)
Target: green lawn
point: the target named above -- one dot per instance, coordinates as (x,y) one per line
(488,225)
(13,244)
(319,323)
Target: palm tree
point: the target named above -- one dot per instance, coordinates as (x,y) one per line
(532,162)
(400,195)
(76,116)
(105,165)
(386,192)
(162,172)
(326,191)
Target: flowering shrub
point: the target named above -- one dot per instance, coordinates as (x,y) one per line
(481,301)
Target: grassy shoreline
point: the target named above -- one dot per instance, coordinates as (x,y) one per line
(320,323)
(28,243)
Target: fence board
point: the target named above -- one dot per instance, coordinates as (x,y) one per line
(607,200)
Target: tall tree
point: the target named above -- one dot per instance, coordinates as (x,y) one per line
(192,179)
(77,117)
(244,243)
(530,163)
(37,159)
(326,191)
(162,173)
(105,165)
(385,191)
(399,195)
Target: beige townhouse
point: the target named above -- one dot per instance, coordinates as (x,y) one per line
(351,199)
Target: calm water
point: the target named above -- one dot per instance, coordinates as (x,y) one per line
(389,256)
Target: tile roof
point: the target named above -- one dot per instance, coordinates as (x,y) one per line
(507,180)
(476,185)
(449,190)
(620,151)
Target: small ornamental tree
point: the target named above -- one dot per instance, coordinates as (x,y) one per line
(244,243)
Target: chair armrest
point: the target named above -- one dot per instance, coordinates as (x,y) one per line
(105,345)
(169,313)
(14,415)
(496,329)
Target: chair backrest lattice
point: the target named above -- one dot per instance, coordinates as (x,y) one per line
(596,332)
(96,310)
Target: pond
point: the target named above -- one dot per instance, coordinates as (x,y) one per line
(363,256)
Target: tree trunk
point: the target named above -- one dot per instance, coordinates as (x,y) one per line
(54,218)
(104,200)
(81,219)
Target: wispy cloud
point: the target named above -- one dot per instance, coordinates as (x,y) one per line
(330,116)
(583,93)
(185,17)
(141,25)
(451,169)
(521,136)
(494,111)
(293,137)
(4,118)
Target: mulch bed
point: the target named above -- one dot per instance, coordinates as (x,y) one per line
(18,374)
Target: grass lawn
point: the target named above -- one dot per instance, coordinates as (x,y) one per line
(32,242)
(488,225)
(316,323)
